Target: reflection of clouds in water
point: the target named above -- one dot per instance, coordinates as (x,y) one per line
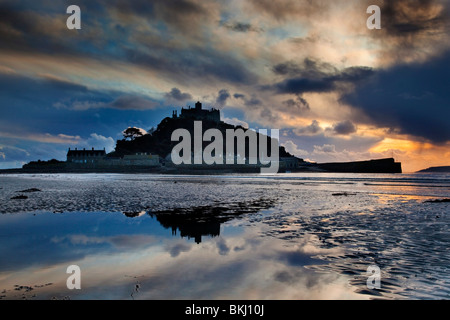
(222,246)
(233,266)
(260,253)
(178,247)
(122,241)
(256,270)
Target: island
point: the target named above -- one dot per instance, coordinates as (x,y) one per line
(151,152)
(443,169)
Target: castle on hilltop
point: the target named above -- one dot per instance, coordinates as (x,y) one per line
(198,113)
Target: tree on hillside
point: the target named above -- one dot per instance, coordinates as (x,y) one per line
(133,133)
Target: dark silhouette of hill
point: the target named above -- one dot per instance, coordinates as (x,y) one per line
(436,169)
(159,141)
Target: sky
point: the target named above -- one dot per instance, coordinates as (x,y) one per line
(336,90)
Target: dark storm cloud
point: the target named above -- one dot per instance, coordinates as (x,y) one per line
(412,28)
(222,97)
(316,76)
(33,26)
(20,29)
(410,99)
(194,64)
(345,127)
(308,68)
(303,85)
(241,27)
(311,130)
(299,105)
(251,102)
(177,95)
(177,48)
(403,18)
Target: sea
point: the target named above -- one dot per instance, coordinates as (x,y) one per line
(293,236)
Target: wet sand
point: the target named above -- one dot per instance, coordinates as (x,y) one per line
(298,236)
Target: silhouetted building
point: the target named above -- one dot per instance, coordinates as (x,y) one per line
(85,156)
(198,113)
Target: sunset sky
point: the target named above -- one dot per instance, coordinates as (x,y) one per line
(336,90)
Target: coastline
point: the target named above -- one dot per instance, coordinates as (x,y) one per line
(370,166)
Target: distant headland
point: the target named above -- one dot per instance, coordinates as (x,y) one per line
(436,169)
(151,152)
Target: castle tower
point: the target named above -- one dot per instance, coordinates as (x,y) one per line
(198,105)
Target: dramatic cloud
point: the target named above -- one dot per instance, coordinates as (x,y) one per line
(241,27)
(320,82)
(311,68)
(178,96)
(313,129)
(194,65)
(299,105)
(251,102)
(308,68)
(222,98)
(413,29)
(403,18)
(344,127)
(410,99)
(293,149)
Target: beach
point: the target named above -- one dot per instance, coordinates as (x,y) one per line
(284,236)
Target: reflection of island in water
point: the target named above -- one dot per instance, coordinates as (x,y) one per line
(201,221)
